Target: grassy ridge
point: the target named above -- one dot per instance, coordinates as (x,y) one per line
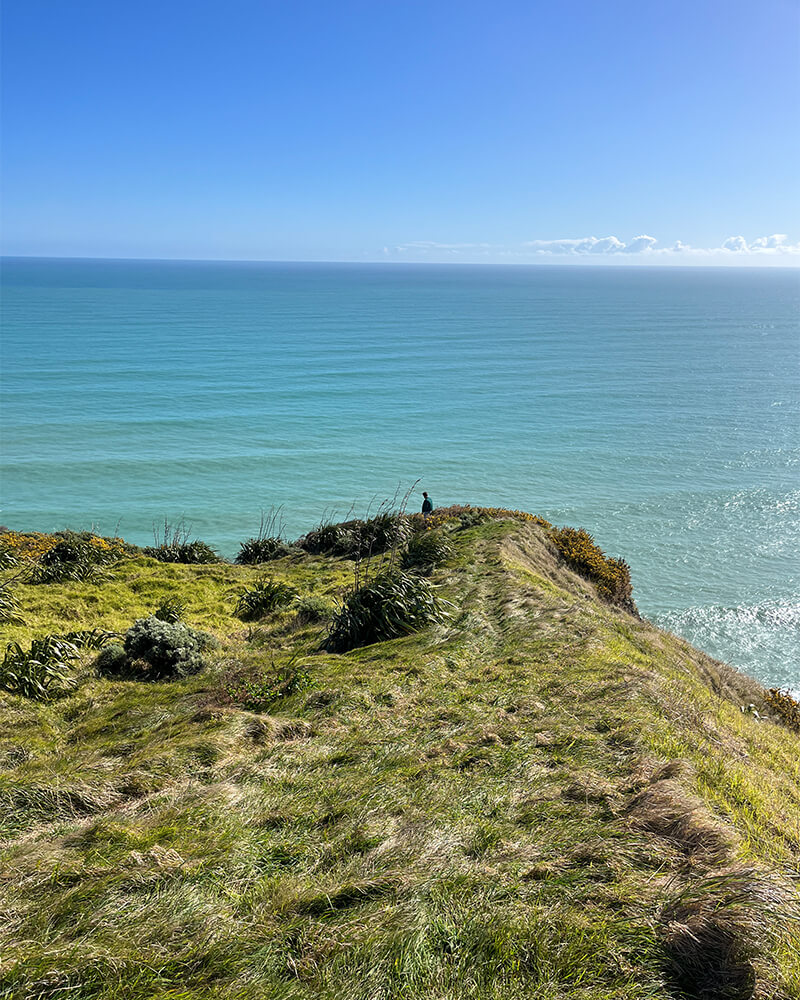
(543,796)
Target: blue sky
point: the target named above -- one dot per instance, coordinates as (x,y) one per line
(425,130)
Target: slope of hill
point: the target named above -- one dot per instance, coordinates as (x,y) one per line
(541,796)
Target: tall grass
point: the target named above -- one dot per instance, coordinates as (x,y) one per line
(270,542)
(171,544)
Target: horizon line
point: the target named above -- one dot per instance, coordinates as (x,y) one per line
(554,260)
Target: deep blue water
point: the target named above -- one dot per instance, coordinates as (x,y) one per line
(657,407)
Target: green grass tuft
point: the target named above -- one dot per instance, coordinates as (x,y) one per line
(265,596)
(388,606)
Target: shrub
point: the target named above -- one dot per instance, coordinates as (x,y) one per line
(30,546)
(172,545)
(41,672)
(786,707)
(261,550)
(170,610)
(112,662)
(612,577)
(76,556)
(268,544)
(384,532)
(65,561)
(390,605)
(154,650)
(426,549)
(359,539)
(264,596)
(327,539)
(468,516)
(183,552)
(472,517)
(312,610)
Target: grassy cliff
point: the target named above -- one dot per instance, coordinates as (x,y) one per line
(540,795)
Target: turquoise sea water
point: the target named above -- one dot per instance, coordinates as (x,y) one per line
(657,407)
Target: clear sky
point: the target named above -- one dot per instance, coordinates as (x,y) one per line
(508,131)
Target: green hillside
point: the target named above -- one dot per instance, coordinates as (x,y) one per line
(537,795)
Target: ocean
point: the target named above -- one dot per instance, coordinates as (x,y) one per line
(655,407)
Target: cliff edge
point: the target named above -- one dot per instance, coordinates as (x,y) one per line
(536,794)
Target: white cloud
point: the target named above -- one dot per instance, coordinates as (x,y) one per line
(774,242)
(587,244)
(738,244)
(641,243)
(777,244)
(643,246)
(591,244)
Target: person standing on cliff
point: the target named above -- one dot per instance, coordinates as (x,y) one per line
(427,505)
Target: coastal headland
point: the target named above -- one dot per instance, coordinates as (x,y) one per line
(439,758)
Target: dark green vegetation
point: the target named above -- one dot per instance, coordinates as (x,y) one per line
(41,672)
(171,609)
(75,556)
(785,707)
(266,595)
(359,539)
(9,605)
(186,552)
(426,550)
(390,605)
(539,795)
(261,550)
(268,544)
(173,545)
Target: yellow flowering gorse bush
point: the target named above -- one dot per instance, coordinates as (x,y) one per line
(30,546)
(575,546)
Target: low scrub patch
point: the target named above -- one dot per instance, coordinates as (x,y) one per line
(10,611)
(612,577)
(173,544)
(261,550)
(359,539)
(170,610)
(154,650)
(265,596)
(89,638)
(465,516)
(257,686)
(190,553)
(7,559)
(312,610)
(426,549)
(268,544)
(388,606)
(76,556)
(29,546)
(785,707)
